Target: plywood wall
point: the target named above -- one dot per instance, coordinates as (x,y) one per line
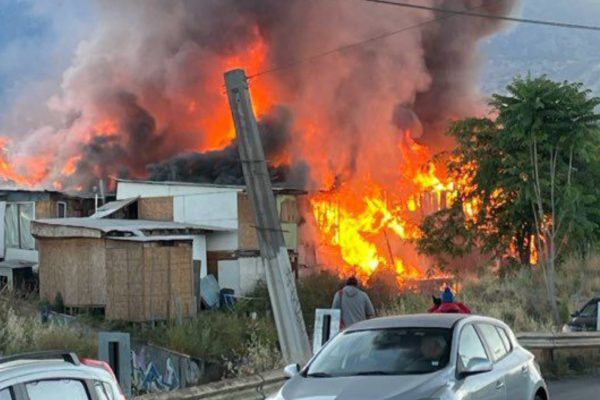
(75,208)
(289,215)
(124,269)
(75,268)
(155,208)
(149,281)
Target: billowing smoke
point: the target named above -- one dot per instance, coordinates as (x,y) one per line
(224,166)
(145,93)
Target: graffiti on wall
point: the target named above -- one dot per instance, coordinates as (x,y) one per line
(157,370)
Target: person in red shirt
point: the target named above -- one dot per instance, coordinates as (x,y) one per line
(448,304)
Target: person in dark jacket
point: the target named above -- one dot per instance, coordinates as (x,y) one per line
(354,304)
(449,304)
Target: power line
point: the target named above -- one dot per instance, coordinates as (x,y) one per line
(350,46)
(469,13)
(448,14)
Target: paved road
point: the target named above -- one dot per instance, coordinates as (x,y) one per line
(575,389)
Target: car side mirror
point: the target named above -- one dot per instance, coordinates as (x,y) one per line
(291,370)
(477,366)
(575,314)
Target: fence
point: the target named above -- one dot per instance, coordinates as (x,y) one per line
(549,342)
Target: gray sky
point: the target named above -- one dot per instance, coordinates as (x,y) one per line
(38,39)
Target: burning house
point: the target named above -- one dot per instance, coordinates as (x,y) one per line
(353,100)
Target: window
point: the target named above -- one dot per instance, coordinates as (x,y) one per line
(17,224)
(505,339)
(59,389)
(470,346)
(401,351)
(61,209)
(494,341)
(589,311)
(5,394)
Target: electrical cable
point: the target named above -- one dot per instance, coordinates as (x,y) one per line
(350,46)
(448,13)
(469,13)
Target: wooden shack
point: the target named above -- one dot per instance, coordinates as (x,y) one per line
(133,270)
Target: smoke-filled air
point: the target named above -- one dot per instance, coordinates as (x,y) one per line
(144,97)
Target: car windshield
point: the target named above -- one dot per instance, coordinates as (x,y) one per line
(400,351)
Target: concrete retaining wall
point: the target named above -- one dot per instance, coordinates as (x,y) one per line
(257,387)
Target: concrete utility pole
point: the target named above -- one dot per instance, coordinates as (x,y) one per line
(280,279)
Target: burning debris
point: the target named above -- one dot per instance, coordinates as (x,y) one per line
(145,96)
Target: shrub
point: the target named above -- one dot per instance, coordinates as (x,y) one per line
(25,333)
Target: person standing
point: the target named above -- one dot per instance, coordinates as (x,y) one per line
(354,304)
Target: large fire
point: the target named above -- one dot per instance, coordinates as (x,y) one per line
(364,227)
(133,98)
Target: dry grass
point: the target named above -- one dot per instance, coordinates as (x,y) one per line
(22,331)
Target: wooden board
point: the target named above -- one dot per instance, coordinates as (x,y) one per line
(75,268)
(156,208)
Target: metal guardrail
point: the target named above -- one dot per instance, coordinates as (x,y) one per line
(553,341)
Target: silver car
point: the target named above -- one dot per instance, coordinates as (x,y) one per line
(56,376)
(420,357)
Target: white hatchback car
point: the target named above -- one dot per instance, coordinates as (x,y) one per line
(56,376)
(420,357)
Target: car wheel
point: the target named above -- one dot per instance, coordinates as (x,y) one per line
(538,397)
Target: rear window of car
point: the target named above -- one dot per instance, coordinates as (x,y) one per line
(505,339)
(5,394)
(494,341)
(57,389)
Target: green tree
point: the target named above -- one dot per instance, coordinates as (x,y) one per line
(530,174)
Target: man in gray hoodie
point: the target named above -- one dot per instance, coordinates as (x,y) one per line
(354,304)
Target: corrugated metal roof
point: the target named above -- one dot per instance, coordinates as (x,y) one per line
(123,225)
(112,207)
(16,264)
(161,238)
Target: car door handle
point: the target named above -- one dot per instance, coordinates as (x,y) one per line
(524,369)
(499,385)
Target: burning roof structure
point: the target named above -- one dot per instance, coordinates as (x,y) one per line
(357,128)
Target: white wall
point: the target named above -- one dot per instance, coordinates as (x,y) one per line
(20,254)
(218,209)
(222,241)
(229,275)
(241,275)
(126,190)
(199,253)
(252,271)
(202,205)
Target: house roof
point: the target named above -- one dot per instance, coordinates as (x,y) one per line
(158,238)
(112,207)
(17,264)
(239,188)
(124,225)
(5,191)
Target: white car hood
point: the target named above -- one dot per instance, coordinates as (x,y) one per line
(405,387)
